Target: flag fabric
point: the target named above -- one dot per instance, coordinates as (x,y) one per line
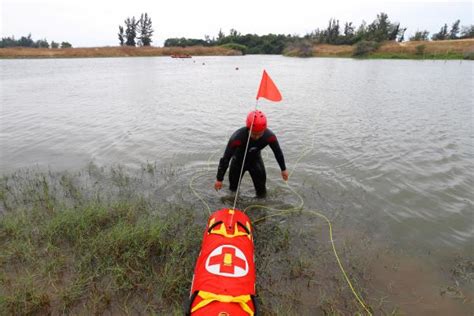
(268,89)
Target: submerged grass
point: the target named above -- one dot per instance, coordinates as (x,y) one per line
(96,242)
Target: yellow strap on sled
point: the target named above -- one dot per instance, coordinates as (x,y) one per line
(208,298)
(222,231)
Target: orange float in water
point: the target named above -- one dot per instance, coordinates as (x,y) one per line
(224,275)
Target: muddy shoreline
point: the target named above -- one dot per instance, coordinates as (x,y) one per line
(82,242)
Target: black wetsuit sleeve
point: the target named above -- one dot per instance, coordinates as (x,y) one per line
(275,146)
(232,145)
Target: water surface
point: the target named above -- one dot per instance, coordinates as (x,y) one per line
(388,145)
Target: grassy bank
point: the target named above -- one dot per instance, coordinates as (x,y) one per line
(449,49)
(93,242)
(452,49)
(21,52)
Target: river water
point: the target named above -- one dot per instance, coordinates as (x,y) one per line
(387,144)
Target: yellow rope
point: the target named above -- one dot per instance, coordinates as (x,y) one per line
(200,174)
(197,175)
(316,213)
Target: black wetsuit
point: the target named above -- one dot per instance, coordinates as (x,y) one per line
(253,162)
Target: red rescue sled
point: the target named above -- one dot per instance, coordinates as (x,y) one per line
(224,276)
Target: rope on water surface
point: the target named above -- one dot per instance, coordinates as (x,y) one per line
(197,175)
(279,212)
(200,174)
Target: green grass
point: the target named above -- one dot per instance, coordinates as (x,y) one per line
(56,260)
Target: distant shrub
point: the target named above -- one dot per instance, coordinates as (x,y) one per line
(363,48)
(469,55)
(27,41)
(420,36)
(66,45)
(41,44)
(420,49)
(300,49)
(234,46)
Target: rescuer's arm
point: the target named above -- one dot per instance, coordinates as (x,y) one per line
(224,161)
(275,146)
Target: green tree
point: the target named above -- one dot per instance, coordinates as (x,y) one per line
(42,43)
(66,45)
(349,34)
(420,36)
(381,29)
(26,41)
(348,29)
(120,35)
(8,42)
(234,33)
(442,34)
(361,31)
(453,33)
(467,31)
(184,42)
(146,30)
(220,35)
(317,36)
(332,32)
(131,31)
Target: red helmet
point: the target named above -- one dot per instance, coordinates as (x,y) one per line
(259,121)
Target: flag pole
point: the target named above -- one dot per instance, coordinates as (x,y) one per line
(245,156)
(267,90)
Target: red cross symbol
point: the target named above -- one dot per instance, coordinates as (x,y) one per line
(227,261)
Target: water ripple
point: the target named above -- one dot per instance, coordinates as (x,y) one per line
(393,145)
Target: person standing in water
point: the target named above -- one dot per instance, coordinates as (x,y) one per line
(260,137)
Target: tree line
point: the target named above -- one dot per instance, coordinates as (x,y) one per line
(140,31)
(27,41)
(381,29)
(336,33)
(248,43)
(136,32)
(454,33)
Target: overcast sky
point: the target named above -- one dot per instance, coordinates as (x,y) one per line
(95,22)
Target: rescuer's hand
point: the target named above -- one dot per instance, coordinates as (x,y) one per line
(284,175)
(218,185)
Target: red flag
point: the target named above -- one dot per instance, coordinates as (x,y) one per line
(268,89)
